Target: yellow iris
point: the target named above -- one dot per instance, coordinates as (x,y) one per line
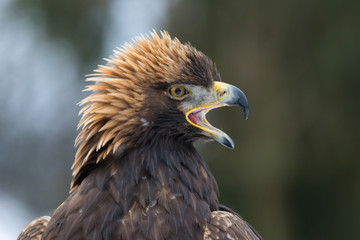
(178,91)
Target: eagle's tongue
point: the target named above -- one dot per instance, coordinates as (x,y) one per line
(198,117)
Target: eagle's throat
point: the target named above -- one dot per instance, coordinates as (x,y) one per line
(165,166)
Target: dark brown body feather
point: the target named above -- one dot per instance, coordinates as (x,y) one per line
(172,195)
(169,196)
(136,172)
(35,229)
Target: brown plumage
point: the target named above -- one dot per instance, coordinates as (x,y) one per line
(136,172)
(35,229)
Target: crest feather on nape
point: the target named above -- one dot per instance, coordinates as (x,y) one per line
(110,113)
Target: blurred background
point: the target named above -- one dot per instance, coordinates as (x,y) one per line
(295,170)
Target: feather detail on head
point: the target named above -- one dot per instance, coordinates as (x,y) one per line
(113,110)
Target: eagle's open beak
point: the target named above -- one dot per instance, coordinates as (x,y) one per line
(226,95)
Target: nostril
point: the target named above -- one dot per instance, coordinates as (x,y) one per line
(222,93)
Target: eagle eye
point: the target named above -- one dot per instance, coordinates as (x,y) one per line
(178,92)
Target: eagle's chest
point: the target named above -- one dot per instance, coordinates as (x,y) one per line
(145,211)
(172,219)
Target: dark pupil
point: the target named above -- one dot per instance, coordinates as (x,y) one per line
(177,91)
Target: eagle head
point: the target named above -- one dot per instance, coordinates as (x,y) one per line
(154,88)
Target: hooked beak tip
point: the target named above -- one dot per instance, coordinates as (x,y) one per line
(226,141)
(246,113)
(236,97)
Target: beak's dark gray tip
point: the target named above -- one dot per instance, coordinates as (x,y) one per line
(242,102)
(227,142)
(246,113)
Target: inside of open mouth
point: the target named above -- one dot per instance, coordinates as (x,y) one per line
(198,117)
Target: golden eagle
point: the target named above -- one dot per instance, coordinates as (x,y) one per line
(136,173)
